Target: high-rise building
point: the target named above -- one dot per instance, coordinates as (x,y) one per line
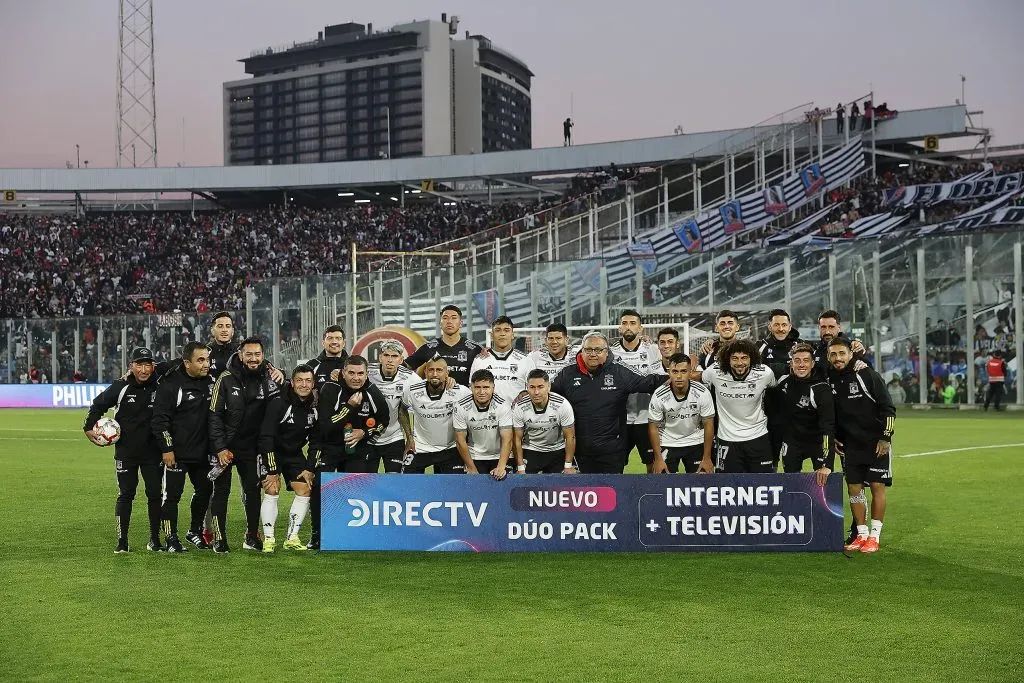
(358,94)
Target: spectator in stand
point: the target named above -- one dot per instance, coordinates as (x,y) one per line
(567,131)
(868,112)
(840,115)
(896,391)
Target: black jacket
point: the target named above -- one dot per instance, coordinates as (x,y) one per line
(459,357)
(808,408)
(180,416)
(865,414)
(134,412)
(333,413)
(220,356)
(774,351)
(598,401)
(238,405)
(323,365)
(287,425)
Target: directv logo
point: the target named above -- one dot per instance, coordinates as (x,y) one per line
(415,513)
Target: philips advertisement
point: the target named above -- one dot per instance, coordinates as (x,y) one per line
(582,513)
(49,395)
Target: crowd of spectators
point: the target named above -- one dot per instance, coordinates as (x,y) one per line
(108,264)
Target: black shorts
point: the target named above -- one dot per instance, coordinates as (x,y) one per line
(447,461)
(688,456)
(753,456)
(485,466)
(638,436)
(392,455)
(547,462)
(864,467)
(794,454)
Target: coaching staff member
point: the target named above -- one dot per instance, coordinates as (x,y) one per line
(598,389)
(137,450)
(239,403)
(180,416)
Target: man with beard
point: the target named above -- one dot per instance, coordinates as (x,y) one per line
(457,351)
(727,324)
(809,419)
(555,355)
(287,424)
(327,366)
(350,414)
(432,406)
(775,348)
(237,409)
(866,421)
(222,344)
(830,327)
(632,350)
(739,381)
(137,450)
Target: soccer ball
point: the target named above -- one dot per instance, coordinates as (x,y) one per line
(107,431)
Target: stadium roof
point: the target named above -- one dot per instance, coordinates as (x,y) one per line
(910,125)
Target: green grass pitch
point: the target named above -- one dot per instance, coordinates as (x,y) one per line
(942,600)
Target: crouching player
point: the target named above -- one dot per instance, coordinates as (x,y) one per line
(865,417)
(287,424)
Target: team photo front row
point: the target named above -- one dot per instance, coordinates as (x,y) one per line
(459,408)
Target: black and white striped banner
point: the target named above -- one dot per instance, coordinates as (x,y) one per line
(971,187)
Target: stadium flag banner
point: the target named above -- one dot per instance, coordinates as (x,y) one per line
(977,188)
(642,254)
(49,395)
(582,513)
(1011,215)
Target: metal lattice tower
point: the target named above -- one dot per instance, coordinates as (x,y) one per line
(136,85)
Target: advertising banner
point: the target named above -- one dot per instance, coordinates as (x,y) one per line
(582,513)
(49,395)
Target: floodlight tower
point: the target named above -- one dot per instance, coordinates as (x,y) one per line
(136,85)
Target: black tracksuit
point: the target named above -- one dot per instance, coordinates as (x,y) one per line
(136,451)
(239,404)
(598,400)
(808,411)
(773,350)
(220,356)
(287,425)
(865,415)
(179,424)
(323,365)
(327,443)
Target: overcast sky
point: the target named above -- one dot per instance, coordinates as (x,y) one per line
(627,69)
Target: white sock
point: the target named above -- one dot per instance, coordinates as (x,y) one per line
(876,528)
(208,520)
(862,530)
(268,514)
(297,515)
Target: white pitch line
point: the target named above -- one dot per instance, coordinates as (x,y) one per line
(959,450)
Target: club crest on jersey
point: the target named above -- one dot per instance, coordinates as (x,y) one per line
(609,380)
(803,402)
(514,368)
(854,389)
(463,357)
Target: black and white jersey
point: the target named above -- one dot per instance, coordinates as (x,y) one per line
(459,357)
(681,420)
(741,414)
(542,429)
(542,360)
(483,426)
(507,369)
(642,360)
(432,429)
(392,388)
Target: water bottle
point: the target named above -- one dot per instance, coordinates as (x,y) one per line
(349,450)
(218,469)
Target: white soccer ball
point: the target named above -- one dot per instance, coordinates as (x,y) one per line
(107,431)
